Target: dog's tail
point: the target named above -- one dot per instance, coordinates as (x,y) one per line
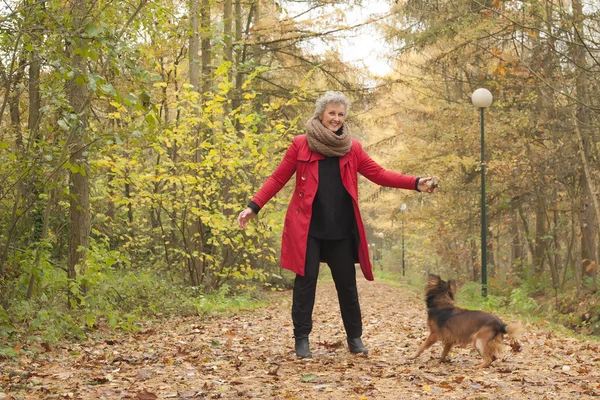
(513,330)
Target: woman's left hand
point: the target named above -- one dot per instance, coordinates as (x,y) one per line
(429,184)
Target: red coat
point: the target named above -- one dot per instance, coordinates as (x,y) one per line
(301,160)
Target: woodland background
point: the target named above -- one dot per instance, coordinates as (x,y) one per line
(133,132)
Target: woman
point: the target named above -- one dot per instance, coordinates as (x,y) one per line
(323,221)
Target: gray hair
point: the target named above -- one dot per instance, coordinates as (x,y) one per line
(328,98)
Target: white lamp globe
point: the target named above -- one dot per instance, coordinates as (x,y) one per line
(482,98)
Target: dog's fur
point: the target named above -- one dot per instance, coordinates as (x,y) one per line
(456,326)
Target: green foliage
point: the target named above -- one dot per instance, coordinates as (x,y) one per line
(469,296)
(521,302)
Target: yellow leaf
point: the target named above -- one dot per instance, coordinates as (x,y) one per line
(591,266)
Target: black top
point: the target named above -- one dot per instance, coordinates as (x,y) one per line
(332,211)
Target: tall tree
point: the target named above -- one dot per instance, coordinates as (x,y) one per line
(79,180)
(590,216)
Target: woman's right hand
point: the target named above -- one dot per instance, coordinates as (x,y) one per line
(245,216)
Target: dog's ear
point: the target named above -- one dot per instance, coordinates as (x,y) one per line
(452,285)
(433,282)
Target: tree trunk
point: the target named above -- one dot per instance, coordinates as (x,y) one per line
(552,254)
(205,35)
(194,60)
(476,265)
(13,100)
(35,102)
(591,207)
(539,255)
(516,244)
(79,185)
(227,35)
(237,16)
(530,243)
(33,126)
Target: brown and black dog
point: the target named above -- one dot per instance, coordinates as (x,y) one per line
(456,326)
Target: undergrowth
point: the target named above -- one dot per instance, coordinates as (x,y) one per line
(118,300)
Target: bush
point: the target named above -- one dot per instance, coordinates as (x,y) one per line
(521,302)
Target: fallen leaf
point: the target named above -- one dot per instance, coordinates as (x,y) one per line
(64,375)
(446,385)
(99,380)
(143,374)
(273,371)
(515,346)
(331,345)
(145,395)
(308,378)
(590,266)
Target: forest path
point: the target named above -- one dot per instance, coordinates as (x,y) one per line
(250,355)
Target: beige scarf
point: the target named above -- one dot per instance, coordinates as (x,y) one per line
(326,142)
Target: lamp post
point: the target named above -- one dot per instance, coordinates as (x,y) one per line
(402,209)
(482,99)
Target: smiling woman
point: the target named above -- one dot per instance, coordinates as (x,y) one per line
(333,117)
(323,221)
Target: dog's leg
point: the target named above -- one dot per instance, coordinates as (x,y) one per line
(447,348)
(487,360)
(485,342)
(425,345)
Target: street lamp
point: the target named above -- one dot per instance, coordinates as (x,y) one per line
(482,99)
(402,209)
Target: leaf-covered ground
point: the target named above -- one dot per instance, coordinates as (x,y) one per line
(250,356)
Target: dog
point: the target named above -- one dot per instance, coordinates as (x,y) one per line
(457,326)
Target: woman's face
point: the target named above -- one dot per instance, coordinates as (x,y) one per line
(333,116)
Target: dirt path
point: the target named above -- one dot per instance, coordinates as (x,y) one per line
(250,356)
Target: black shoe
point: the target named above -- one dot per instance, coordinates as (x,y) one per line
(302,348)
(356,346)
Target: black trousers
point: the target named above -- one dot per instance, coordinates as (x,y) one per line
(340,256)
